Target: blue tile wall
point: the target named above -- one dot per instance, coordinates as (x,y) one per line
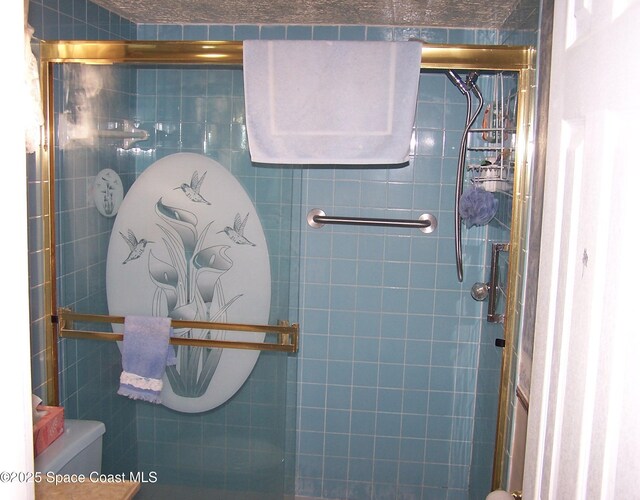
(77,20)
(89,370)
(390,341)
(388,369)
(388,363)
(201,110)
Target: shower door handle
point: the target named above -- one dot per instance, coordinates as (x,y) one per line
(492,316)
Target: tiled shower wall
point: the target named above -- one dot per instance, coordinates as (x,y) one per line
(387,369)
(390,339)
(89,370)
(72,20)
(201,110)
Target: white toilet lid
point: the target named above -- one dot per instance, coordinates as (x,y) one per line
(77,435)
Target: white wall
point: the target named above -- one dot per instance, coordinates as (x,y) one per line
(583,439)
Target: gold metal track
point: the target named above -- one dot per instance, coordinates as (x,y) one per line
(287,335)
(229,53)
(516,279)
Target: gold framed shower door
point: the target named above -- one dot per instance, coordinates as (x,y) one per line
(229,53)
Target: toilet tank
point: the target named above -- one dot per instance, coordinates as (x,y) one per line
(77,451)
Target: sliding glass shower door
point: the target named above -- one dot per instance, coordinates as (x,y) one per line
(113,123)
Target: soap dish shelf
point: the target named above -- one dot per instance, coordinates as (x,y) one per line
(491,146)
(492,177)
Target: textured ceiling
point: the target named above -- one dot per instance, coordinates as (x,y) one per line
(487,14)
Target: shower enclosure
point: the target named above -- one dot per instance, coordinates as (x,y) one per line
(122,106)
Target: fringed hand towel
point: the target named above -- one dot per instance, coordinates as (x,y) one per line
(330,102)
(145,354)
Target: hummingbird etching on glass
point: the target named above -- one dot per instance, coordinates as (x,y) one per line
(136,248)
(192,190)
(236,233)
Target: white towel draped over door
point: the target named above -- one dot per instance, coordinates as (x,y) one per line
(330,102)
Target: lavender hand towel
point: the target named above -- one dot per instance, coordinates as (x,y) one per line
(330,102)
(145,355)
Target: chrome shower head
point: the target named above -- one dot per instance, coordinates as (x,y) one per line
(472,78)
(467,85)
(457,80)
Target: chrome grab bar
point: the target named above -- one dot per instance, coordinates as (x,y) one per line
(480,291)
(426,223)
(494,285)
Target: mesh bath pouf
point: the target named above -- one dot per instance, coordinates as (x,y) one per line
(477,207)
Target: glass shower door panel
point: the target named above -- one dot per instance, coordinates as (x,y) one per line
(119,119)
(236,451)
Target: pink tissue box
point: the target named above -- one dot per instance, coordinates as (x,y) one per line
(48,428)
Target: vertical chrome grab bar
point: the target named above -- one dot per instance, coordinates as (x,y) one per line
(492,316)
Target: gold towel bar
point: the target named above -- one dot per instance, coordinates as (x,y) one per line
(287,334)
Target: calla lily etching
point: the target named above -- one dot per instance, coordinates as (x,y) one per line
(188,279)
(213,258)
(182,221)
(166,278)
(189,268)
